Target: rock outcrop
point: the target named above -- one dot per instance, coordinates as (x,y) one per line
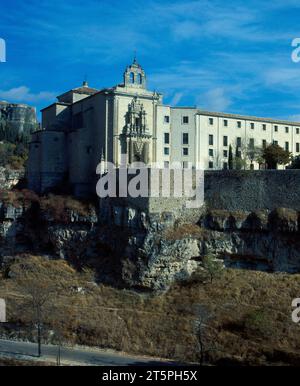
(10,178)
(18,117)
(154,254)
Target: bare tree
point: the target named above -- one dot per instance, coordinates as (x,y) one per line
(206,339)
(42,283)
(247,153)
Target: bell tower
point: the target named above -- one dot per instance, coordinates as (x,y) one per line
(134,76)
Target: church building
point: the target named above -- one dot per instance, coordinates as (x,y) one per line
(86,125)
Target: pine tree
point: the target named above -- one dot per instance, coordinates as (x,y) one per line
(230,158)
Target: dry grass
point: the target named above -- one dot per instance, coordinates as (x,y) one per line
(58,206)
(183,231)
(251,317)
(219,213)
(18,362)
(18,198)
(286,214)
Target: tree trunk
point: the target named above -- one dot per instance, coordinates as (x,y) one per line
(39,339)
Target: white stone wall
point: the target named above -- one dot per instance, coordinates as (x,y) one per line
(163,128)
(178,128)
(262,129)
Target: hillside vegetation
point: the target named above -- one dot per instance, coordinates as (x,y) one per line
(250,314)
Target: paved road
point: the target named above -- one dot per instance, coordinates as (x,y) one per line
(77,355)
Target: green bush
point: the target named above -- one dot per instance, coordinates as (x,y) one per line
(258,322)
(13,155)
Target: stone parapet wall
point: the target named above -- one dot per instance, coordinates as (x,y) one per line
(243,191)
(247,190)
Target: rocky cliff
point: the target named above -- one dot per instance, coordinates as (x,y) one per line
(10,178)
(19,118)
(154,255)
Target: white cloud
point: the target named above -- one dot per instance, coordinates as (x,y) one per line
(23,94)
(294,118)
(176,99)
(187,30)
(215,99)
(288,77)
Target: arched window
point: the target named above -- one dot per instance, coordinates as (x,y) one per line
(131,77)
(140,79)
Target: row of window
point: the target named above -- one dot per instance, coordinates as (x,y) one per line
(185,119)
(251,142)
(225,140)
(185,151)
(252,125)
(211,165)
(185,141)
(185,164)
(185,138)
(225,153)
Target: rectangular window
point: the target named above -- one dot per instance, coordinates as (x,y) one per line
(239,142)
(166,119)
(239,154)
(185,164)
(239,124)
(211,121)
(225,153)
(275,142)
(264,127)
(225,140)
(225,122)
(252,125)
(167,138)
(211,165)
(185,138)
(166,151)
(211,140)
(287,146)
(185,151)
(211,152)
(297,130)
(276,128)
(286,129)
(251,142)
(185,120)
(225,165)
(264,143)
(298,147)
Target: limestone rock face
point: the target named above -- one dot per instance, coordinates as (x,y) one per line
(19,117)
(10,178)
(151,253)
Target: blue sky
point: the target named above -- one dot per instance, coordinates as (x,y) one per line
(233,57)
